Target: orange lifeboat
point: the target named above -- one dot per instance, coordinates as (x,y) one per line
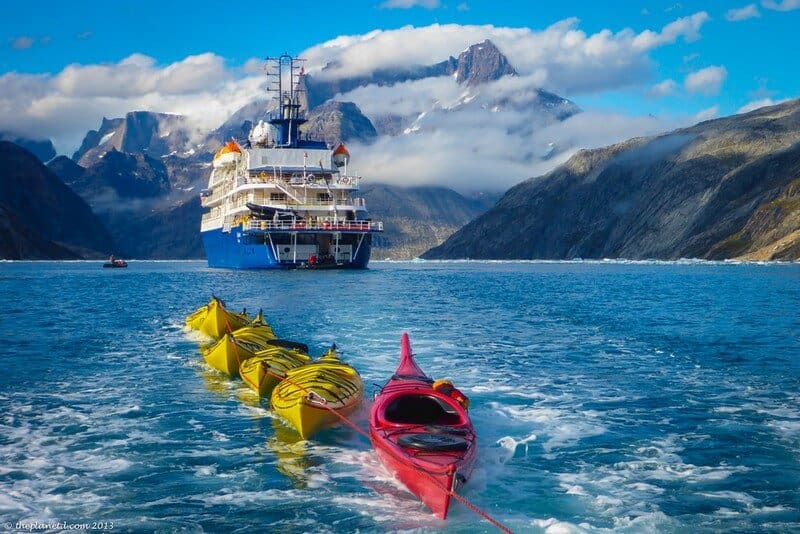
(340,155)
(227,155)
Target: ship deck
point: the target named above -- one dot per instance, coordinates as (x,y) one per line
(355,227)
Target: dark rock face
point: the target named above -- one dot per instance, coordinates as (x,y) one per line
(66,169)
(164,231)
(42,149)
(154,134)
(417,218)
(187,175)
(20,242)
(339,121)
(482,63)
(122,176)
(42,218)
(95,138)
(689,193)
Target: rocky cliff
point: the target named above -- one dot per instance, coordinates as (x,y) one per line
(119,176)
(481,63)
(154,134)
(333,122)
(720,189)
(151,206)
(42,218)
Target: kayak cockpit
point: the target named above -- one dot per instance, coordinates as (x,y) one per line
(421,410)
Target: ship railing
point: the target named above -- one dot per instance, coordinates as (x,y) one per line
(341,204)
(297,180)
(327,226)
(284,186)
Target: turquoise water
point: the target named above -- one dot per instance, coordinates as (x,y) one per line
(607,397)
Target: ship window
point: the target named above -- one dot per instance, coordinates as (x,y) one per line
(325,197)
(277,196)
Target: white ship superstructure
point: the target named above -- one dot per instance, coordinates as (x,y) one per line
(279,201)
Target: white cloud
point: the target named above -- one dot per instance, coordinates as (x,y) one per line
(476,148)
(707,81)
(569,60)
(482,156)
(756,104)
(407,4)
(662,89)
(138,75)
(65,106)
(686,27)
(781,5)
(707,114)
(468,142)
(743,13)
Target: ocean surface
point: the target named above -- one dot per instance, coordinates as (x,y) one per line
(608,397)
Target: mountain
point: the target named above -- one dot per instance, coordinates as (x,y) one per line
(19,241)
(141,169)
(154,134)
(529,110)
(481,63)
(417,218)
(323,87)
(333,122)
(720,189)
(477,64)
(42,218)
(169,231)
(119,176)
(42,149)
(66,169)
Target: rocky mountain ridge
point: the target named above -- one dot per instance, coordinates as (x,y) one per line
(480,63)
(720,189)
(146,132)
(40,216)
(41,148)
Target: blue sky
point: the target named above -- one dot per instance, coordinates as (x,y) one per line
(717,58)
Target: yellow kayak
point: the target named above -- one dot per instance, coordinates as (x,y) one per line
(195,320)
(263,371)
(256,329)
(229,352)
(307,395)
(217,320)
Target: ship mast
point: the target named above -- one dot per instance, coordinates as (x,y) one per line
(283,80)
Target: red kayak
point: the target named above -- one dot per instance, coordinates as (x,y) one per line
(422,433)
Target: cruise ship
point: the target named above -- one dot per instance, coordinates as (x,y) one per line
(280,200)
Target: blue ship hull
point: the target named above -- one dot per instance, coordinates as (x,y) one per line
(237,250)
